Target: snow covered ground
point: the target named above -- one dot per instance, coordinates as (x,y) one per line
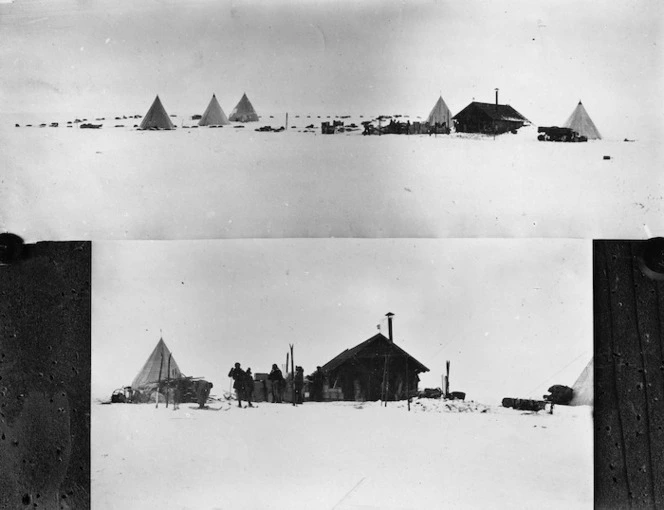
(342,456)
(119,183)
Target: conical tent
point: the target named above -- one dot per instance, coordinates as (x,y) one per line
(440,114)
(581,122)
(156,118)
(244,111)
(157,362)
(583,388)
(214,115)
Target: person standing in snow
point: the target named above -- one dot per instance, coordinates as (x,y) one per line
(318,381)
(277,379)
(299,384)
(179,392)
(239,378)
(249,387)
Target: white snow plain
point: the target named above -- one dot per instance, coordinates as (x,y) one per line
(342,456)
(120,183)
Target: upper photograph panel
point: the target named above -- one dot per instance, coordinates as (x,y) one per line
(211,119)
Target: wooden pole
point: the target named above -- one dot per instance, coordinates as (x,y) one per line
(161,364)
(286,121)
(292,374)
(407,385)
(384,388)
(168,377)
(447,379)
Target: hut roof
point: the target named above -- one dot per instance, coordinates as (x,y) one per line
(358,352)
(495,112)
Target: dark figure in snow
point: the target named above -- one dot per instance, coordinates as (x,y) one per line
(178,393)
(239,378)
(249,387)
(318,381)
(264,385)
(277,379)
(299,384)
(202,393)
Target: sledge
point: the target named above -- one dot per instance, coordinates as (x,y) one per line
(206,408)
(523,404)
(559,134)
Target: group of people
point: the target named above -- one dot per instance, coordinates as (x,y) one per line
(243,384)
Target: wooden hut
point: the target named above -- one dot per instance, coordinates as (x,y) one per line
(376,369)
(488,118)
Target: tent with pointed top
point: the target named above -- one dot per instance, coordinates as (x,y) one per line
(156,118)
(581,122)
(583,394)
(440,114)
(244,111)
(156,364)
(214,115)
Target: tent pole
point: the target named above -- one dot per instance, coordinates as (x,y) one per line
(161,364)
(168,377)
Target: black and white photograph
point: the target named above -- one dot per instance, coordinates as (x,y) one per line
(208,119)
(331,254)
(427,368)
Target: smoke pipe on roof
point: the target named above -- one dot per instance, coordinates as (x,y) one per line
(496,97)
(389,316)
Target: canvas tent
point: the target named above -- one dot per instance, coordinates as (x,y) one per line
(440,114)
(214,115)
(581,122)
(583,388)
(157,362)
(156,118)
(244,111)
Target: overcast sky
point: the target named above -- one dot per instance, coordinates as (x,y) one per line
(340,57)
(512,316)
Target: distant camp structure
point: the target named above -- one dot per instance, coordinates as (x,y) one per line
(160,365)
(161,380)
(214,115)
(440,115)
(581,122)
(488,119)
(244,111)
(156,118)
(376,369)
(583,394)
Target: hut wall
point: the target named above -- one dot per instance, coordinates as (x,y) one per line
(476,121)
(363,379)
